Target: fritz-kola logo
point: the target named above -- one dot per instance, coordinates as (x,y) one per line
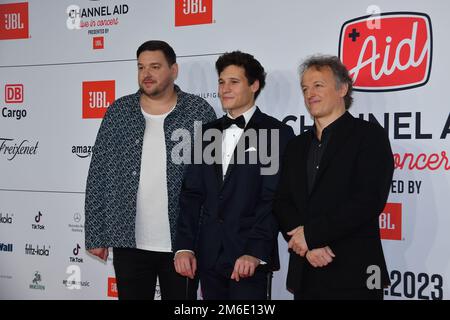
(191,12)
(82,151)
(37,251)
(6,219)
(387,52)
(14,21)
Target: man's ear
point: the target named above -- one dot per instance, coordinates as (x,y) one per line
(255,86)
(174,69)
(343,90)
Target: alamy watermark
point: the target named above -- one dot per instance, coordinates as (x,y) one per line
(254,146)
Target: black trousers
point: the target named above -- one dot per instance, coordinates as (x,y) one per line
(314,288)
(136,272)
(217,285)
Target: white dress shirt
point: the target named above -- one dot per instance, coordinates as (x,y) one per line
(230,138)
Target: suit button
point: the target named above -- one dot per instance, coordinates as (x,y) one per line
(220,221)
(220,197)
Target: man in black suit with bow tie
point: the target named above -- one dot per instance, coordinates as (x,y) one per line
(226,225)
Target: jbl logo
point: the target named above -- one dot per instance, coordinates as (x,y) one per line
(193,7)
(112,288)
(97,97)
(191,12)
(391,222)
(14,93)
(14,21)
(98,43)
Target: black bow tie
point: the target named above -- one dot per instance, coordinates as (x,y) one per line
(227,122)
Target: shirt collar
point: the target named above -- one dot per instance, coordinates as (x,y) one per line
(247,114)
(331,127)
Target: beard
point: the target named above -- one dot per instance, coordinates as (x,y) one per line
(156,89)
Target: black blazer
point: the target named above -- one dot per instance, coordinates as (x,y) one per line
(222,219)
(342,210)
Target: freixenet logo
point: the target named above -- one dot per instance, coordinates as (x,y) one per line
(392,51)
(391,222)
(191,12)
(14,21)
(25,147)
(112,288)
(97,97)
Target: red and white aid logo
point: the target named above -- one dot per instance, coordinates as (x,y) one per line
(190,12)
(14,21)
(387,52)
(112,288)
(14,93)
(98,43)
(391,222)
(97,97)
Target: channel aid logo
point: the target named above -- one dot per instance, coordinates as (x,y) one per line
(191,12)
(14,21)
(388,52)
(391,222)
(97,97)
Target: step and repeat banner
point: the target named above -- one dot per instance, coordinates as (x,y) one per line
(63,62)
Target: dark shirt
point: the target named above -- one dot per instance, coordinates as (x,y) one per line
(317,150)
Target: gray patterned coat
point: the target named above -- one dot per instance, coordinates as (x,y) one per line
(113,179)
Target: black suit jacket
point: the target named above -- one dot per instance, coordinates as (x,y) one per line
(223,219)
(342,210)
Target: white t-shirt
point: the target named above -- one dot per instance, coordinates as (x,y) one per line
(152,216)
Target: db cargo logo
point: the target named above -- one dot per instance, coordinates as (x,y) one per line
(97,97)
(112,288)
(14,21)
(190,12)
(389,52)
(14,93)
(391,222)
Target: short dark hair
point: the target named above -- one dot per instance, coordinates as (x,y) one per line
(155,45)
(339,70)
(253,69)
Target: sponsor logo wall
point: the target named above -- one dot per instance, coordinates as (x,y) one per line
(56,85)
